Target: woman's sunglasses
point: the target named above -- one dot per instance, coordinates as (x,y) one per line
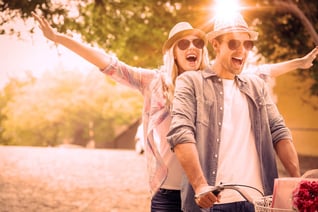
(184,44)
(235,44)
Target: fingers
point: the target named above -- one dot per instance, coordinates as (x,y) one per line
(45,22)
(44,25)
(36,16)
(206,200)
(38,19)
(307,61)
(314,52)
(312,56)
(205,197)
(41,20)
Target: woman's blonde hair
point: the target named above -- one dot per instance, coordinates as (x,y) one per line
(170,72)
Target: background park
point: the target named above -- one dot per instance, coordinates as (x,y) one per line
(50,97)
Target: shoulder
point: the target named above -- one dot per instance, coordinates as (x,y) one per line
(251,79)
(253,84)
(189,77)
(188,74)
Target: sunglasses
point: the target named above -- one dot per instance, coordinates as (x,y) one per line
(235,44)
(184,44)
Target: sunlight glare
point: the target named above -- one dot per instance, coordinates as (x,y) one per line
(225,9)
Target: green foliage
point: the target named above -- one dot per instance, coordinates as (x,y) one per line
(59,107)
(136,30)
(282,34)
(11,10)
(123,26)
(6,96)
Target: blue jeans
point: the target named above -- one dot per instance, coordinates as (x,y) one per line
(166,201)
(243,206)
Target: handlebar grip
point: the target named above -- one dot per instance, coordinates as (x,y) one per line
(215,190)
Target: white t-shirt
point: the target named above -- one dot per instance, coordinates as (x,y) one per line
(238,161)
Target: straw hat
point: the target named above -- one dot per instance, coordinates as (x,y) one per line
(234,24)
(180,30)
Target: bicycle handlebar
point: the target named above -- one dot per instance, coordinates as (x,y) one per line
(217,189)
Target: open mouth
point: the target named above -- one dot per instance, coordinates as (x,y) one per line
(191,58)
(237,61)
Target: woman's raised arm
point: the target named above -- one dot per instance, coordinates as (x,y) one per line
(92,55)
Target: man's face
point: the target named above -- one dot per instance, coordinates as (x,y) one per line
(232,51)
(188,53)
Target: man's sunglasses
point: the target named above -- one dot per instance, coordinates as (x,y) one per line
(235,44)
(184,44)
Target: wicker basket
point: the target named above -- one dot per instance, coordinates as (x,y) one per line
(264,204)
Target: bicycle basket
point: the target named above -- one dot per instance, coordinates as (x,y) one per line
(264,204)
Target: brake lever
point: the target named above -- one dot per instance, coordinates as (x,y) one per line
(214,189)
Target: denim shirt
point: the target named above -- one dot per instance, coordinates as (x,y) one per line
(197,116)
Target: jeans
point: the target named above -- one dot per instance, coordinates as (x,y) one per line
(166,201)
(243,206)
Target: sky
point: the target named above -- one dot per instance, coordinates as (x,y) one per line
(35,54)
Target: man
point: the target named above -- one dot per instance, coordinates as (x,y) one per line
(225,128)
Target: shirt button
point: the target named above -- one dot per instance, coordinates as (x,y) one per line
(221,108)
(219,79)
(218,140)
(213,172)
(221,93)
(219,123)
(215,155)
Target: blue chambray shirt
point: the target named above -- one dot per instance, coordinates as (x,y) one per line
(197,116)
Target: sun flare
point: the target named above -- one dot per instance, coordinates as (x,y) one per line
(225,9)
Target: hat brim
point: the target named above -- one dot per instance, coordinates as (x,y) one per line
(167,45)
(211,35)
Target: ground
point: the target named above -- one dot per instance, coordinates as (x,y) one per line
(77,180)
(72,180)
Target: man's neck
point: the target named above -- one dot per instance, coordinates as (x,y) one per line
(222,72)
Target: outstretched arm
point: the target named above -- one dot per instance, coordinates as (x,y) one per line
(305,62)
(92,55)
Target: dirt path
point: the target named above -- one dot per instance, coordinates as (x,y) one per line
(57,179)
(78,180)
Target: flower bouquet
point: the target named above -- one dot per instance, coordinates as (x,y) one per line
(305,196)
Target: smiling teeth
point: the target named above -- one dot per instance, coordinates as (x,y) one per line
(191,56)
(238,58)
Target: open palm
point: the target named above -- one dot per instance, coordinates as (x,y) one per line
(46,28)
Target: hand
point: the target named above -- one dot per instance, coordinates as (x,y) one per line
(44,25)
(205,198)
(306,61)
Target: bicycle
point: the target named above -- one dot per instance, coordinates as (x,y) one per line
(262,204)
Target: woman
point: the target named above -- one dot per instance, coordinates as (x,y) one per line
(184,50)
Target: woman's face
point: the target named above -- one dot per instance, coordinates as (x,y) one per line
(188,53)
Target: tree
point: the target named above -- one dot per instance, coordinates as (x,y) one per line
(59,107)
(136,30)
(6,96)
(294,23)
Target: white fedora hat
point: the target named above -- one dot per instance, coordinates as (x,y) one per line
(229,25)
(180,30)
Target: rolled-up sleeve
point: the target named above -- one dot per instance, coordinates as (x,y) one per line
(182,128)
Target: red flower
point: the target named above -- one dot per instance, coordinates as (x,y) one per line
(305,196)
